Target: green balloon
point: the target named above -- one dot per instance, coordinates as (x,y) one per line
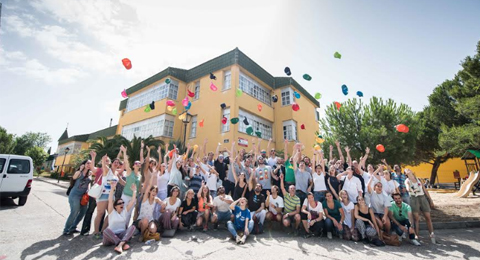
(307,77)
(239,92)
(337,55)
(249,130)
(167,81)
(234,120)
(174,111)
(318,95)
(147,109)
(259,134)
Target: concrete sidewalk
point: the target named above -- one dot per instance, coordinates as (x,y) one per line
(62,183)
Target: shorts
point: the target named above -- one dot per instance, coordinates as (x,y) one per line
(291,218)
(136,223)
(274,216)
(202,213)
(223,216)
(419,204)
(379,215)
(103,197)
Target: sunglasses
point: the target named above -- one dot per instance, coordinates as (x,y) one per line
(120,203)
(137,163)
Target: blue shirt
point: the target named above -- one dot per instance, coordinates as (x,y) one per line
(400,178)
(240,217)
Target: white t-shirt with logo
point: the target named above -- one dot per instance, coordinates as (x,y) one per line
(278,202)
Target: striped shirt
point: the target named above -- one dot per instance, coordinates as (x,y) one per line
(291,203)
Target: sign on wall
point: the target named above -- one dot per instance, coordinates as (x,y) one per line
(242,142)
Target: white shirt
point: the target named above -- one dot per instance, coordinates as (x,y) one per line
(318,208)
(162,181)
(415,188)
(319,182)
(116,221)
(173,207)
(146,211)
(212,181)
(378,202)
(348,211)
(390,186)
(366,178)
(272,161)
(278,202)
(221,205)
(352,187)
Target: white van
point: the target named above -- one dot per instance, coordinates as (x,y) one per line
(16,175)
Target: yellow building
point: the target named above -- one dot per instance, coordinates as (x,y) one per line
(75,144)
(233,70)
(445,171)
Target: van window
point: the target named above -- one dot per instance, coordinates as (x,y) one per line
(2,163)
(18,166)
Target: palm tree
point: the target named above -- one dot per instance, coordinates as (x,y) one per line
(133,147)
(103,146)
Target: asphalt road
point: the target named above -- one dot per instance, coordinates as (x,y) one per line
(34,232)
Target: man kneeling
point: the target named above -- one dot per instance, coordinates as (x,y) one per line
(401,215)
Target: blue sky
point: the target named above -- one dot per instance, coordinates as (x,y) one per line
(60,60)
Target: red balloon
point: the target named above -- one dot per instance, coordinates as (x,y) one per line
(224,120)
(338,105)
(402,128)
(295,107)
(127,63)
(302,127)
(190,93)
(380,148)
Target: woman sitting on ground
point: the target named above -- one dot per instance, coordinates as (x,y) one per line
(380,202)
(364,222)
(205,203)
(146,217)
(349,222)
(169,218)
(334,215)
(188,211)
(312,216)
(116,233)
(242,223)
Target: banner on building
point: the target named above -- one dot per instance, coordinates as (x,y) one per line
(242,142)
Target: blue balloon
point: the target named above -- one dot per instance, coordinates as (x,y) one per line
(345,89)
(360,93)
(296,94)
(189,105)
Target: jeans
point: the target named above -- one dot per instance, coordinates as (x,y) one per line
(397,229)
(319,196)
(213,193)
(233,231)
(87,221)
(302,195)
(223,216)
(330,227)
(260,216)
(77,212)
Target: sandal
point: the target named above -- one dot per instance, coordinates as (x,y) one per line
(126,247)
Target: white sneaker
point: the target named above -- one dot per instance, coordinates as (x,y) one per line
(432,237)
(415,242)
(404,235)
(243,239)
(400,238)
(238,239)
(329,235)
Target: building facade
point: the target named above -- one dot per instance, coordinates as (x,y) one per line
(233,70)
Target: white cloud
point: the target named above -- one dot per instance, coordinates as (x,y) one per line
(35,69)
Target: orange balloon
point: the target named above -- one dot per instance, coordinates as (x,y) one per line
(201,123)
(338,105)
(402,128)
(259,106)
(380,148)
(127,63)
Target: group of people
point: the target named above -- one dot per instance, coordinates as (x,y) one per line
(315,196)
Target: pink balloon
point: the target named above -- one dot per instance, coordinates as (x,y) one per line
(170,103)
(185,102)
(213,87)
(124,94)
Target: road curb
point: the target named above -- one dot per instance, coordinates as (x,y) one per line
(51,182)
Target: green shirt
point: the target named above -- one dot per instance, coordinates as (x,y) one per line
(289,172)
(132,178)
(335,212)
(400,214)
(291,203)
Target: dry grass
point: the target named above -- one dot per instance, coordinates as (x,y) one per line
(450,208)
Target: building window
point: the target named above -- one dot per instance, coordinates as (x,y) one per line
(160,91)
(254,89)
(227,80)
(157,126)
(290,130)
(226,113)
(317,116)
(287,95)
(197,90)
(258,124)
(193,129)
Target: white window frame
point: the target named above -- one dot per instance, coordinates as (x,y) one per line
(158,92)
(264,126)
(197,90)
(227,80)
(317,115)
(289,130)
(156,126)
(225,127)
(287,97)
(254,89)
(193,128)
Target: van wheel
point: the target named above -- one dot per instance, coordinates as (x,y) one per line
(22,200)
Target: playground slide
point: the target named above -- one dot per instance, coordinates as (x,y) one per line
(468,185)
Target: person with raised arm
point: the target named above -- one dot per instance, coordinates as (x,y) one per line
(272,157)
(275,205)
(292,207)
(340,164)
(116,233)
(234,167)
(320,180)
(146,218)
(82,179)
(174,168)
(243,221)
(289,162)
(380,203)
(256,204)
(240,183)
(108,177)
(351,184)
(303,180)
(132,177)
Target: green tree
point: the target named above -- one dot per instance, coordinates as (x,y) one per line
(7,142)
(38,156)
(133,147)
(78,158)
(360,126)
(31,139)
(103,146)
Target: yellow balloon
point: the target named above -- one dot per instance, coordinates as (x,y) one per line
(181,117)
(195,147)
(317,147)
(169,108)
(319,140)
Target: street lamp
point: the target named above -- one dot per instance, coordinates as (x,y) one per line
(186,117)
(64,156)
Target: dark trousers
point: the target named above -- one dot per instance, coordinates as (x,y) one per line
(301,195)
(229,187)
(87,220)
(405,223)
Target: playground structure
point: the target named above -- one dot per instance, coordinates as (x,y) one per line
(472,184)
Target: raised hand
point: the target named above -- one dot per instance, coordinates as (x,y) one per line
(347,149)
(93,154)
(367,150)
(142,145)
